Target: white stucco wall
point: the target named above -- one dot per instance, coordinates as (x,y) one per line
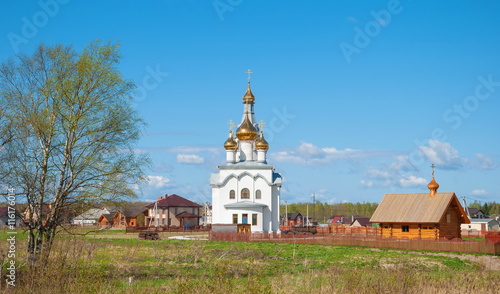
(254,176)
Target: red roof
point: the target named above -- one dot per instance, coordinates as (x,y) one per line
(174,201)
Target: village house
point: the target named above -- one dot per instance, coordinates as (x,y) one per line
(430,215)
(361,222)
(10,218)
(130,218)
(106,220)
(173,210)
(481,224)
(90,217)
(475,213)
(66,213)
(292,219)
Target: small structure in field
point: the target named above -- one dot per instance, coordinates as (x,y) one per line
(430,215)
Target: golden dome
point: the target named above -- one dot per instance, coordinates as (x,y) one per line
(246,131)
(261,143)
(248,97)
(230,143)
(433,186)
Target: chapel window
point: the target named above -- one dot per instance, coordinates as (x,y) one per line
(245,193)
(258,194)
(232,194)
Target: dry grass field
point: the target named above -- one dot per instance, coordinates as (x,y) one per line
(115,262)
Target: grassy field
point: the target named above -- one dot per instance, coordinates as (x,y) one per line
(103,262)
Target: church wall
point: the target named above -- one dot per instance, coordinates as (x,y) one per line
(253,179)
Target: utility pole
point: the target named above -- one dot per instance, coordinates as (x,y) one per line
(286,212)
(465,207)
(307,214)
(314,205)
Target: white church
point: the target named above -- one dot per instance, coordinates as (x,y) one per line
(246,190)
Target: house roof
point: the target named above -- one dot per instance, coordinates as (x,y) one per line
(174,201)
(133,212)
(93,213)
(363,221)
(186,214)
(473,210)
(107,216)
(415,208)
(293,215)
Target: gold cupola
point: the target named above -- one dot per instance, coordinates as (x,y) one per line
(246,131)
(433,185)
(248,97)
(261,143)
(230,143)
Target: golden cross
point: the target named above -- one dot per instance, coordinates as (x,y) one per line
(231,125)
(249,72)
(433,166)
(262,124)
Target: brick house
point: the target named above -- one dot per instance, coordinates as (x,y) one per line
(173,210)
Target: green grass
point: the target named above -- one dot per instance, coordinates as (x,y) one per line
(85,264)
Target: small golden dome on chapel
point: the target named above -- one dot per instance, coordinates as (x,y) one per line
(230,143)
(261,143)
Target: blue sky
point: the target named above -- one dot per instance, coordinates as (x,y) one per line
(359,98)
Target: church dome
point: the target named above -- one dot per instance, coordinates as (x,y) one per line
(261,143)
(248,97)
(246,131)
(230,143)
(433,185)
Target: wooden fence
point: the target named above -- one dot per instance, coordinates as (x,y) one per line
(354,237)
(168,229)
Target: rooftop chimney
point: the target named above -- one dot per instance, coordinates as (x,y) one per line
(166,195)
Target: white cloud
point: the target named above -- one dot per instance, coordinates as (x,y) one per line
(190,159)
(181,149)
(158,182)
(442,154)
(309,154)
(478,192)
(484,162)
(412,181)
(154,186)
(366,184)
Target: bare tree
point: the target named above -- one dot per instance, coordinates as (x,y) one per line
(67,132)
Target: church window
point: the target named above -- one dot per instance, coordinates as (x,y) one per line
(235,218)
(448,218)
(244,218)
(258,194)
(254,219)
(232,194)
(245,193)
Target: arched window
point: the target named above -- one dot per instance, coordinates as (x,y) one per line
(245,193)
(258,194)
(232,194)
